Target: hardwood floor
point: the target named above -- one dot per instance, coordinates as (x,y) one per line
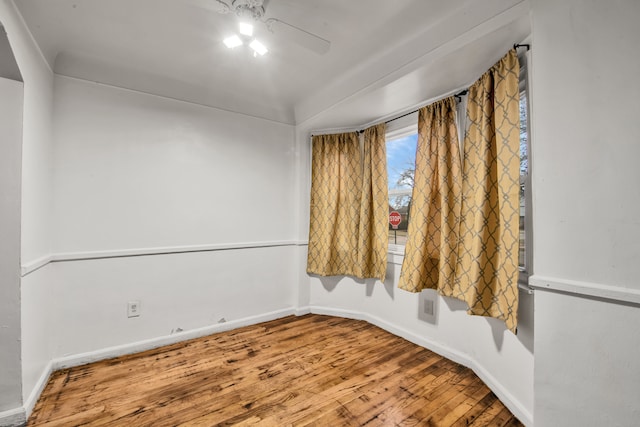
(309,370)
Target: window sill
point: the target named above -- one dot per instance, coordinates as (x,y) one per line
(395,255)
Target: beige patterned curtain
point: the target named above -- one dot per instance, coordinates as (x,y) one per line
(431,249)
(349,205)
(336,177)
(487,269)
(373,235)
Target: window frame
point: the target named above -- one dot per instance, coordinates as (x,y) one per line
(527,270)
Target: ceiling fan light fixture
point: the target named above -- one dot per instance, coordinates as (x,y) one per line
(252,11)
(246,29)
(233,41)
(258,47)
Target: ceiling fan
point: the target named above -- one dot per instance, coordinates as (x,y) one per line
(249,11)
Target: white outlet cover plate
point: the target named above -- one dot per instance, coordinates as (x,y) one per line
(133,309)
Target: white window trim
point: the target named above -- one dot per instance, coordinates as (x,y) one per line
(404,126)
(525,86)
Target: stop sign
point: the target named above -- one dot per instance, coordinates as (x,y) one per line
(395,219)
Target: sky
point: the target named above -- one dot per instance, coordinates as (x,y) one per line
(401,155)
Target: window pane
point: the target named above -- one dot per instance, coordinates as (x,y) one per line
(524,171)
(401,160)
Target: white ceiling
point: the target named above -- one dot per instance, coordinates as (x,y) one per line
(174,48)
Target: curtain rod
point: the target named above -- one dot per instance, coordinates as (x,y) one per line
(463,92)
(458,95)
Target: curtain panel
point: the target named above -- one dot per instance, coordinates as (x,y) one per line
(487,265)
(349,205)
(373,234)
(432,236)
(336,177)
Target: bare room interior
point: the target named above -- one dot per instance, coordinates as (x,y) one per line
(159,192)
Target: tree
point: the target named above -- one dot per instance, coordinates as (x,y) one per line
(406,178)
(404,185)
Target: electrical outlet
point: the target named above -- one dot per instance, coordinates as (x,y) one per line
(133,309)
(428,307)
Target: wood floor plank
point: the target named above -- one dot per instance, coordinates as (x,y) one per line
(442,416)
(437,398)
(463,405)
(469,417)
(486,418)
(347,390)
(310,370)
(413,392)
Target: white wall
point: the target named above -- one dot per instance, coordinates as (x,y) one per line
(138,171)
(140,174)
(35,213)
(37,148)
(587,371)
(177,292)
(36,157)
(586,208)
(10,168)
(36,293)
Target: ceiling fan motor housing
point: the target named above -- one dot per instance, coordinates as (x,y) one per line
(248,9)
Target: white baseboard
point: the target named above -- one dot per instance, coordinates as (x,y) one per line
(503,394)
(301,311)
(13,417)
(336,312)
(137,347)
(31,401)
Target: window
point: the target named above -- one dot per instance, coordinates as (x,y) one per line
(524,173)
(402,138)
(525,253)
(401,160)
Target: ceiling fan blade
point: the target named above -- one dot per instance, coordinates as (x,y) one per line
(299,36)
(221,7)
(217,6)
